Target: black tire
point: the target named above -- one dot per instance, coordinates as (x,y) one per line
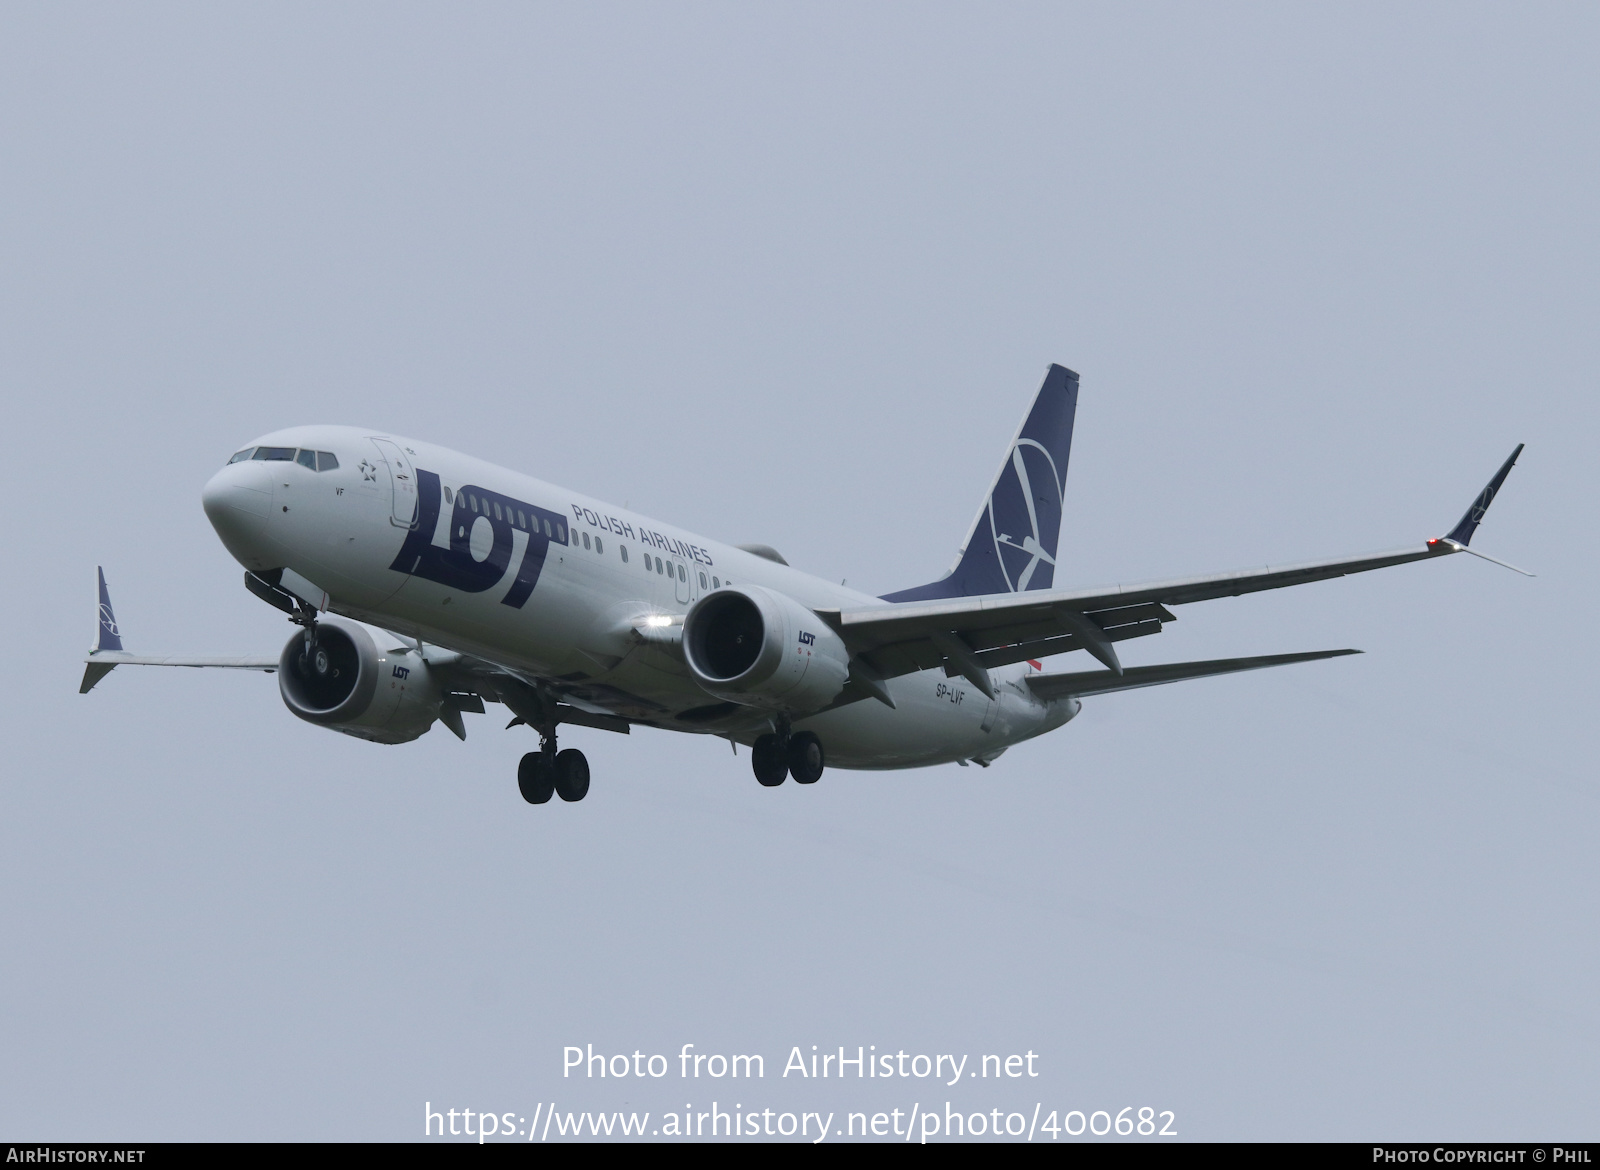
(805,757)
(572,775)
(536,778)
(770,761)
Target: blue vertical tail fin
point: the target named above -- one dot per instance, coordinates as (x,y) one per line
(109,637)
(1011,546)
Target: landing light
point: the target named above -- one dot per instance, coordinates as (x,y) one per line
(658,619)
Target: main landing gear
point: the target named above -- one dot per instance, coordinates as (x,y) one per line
(776,757)
(546,772)
(543,774)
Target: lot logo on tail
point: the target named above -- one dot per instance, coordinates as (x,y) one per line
(1025,506)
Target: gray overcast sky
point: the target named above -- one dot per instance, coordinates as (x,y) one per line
(791,274)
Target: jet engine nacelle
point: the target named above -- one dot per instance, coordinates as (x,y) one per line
(757,647)
(342,681)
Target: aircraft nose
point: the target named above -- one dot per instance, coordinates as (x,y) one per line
(237,501)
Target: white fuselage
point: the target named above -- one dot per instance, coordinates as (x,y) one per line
(604,570)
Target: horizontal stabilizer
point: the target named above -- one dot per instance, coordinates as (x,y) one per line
(1100,682)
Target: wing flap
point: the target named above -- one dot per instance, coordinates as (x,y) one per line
(1020,644)
(1022,651)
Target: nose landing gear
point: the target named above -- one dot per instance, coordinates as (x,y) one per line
(314,661)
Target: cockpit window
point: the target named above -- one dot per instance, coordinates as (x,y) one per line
(315,460)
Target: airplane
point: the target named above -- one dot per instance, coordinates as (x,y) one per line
(426,583)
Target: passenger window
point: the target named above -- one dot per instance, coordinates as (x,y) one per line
(659,567)
(497,513)
(702,580)
(327,461)
(548,535)
(449,496)
(239,456)
(715,584)
(274,454)
(473,500)
(561,533)
(585,540)
(622,551)
(600,549)
(522,519)
(307,459)
(683,575)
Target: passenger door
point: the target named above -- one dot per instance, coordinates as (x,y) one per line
(403,481)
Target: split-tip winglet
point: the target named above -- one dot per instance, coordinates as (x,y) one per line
(1461,535)
(108,639)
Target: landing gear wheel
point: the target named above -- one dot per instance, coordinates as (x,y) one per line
(805,757)
(536,778)
(571,775)
(770,761)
